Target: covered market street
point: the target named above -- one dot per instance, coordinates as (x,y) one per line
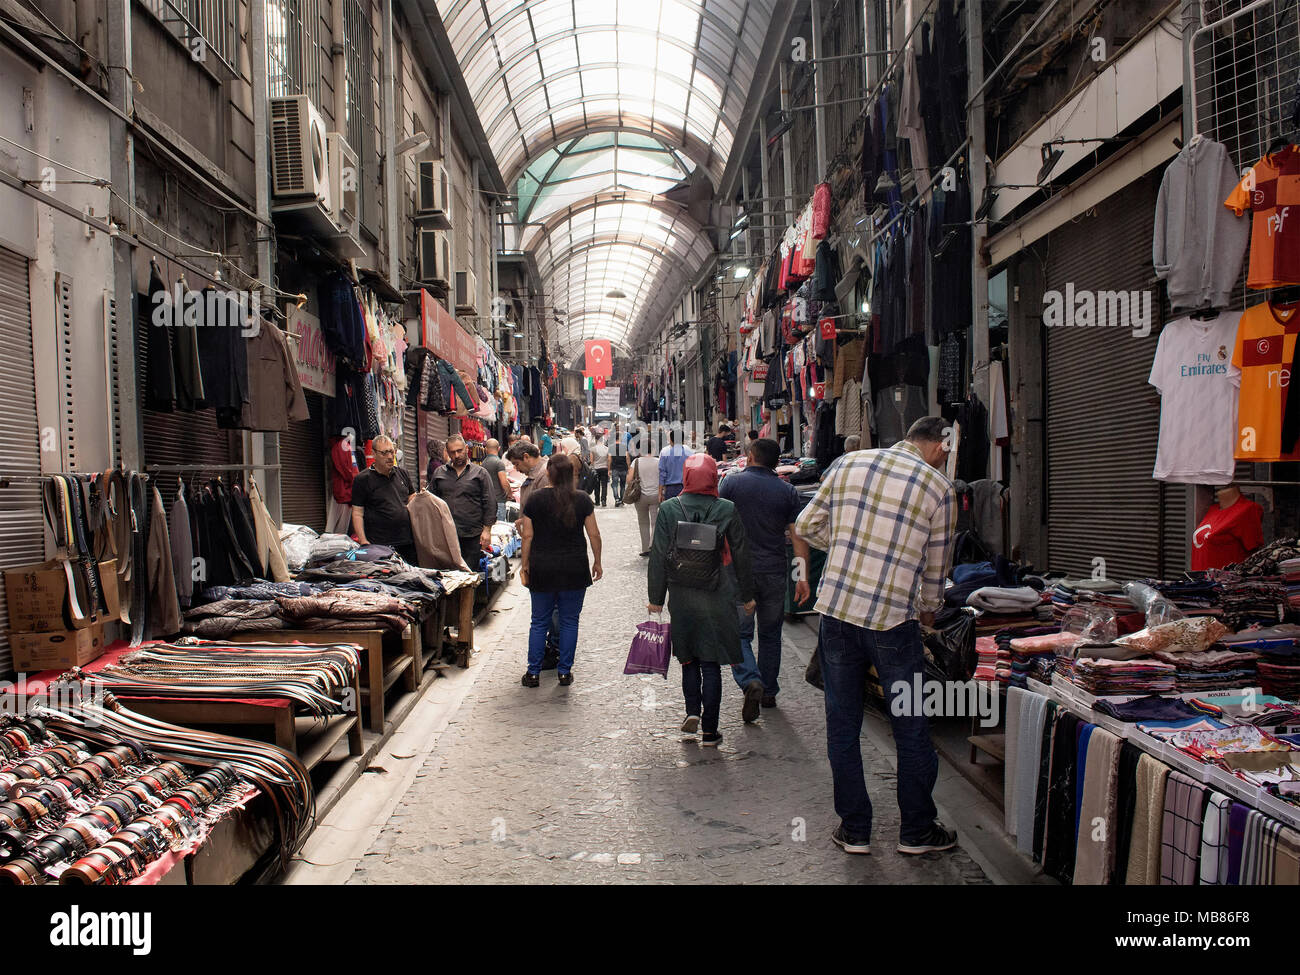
(491,782)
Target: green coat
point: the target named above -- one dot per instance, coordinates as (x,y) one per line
(705,624)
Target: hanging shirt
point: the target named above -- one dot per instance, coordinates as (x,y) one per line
(1263,352)
(1197,381)
(1226,535)
(1271,191)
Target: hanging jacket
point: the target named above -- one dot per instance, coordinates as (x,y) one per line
(160,376)
(269,550)
(164,606)
(436,543)
(341,323)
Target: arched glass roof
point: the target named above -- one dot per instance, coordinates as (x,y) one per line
(580,98)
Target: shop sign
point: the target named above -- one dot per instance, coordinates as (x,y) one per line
(760,372)
(316,363)
(609,399)
(442,335)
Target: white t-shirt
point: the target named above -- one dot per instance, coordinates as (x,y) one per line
(1197,381)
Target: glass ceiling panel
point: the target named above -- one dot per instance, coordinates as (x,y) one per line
(540,69)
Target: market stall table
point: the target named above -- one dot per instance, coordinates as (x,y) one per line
(305,738)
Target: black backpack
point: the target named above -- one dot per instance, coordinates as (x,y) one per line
(695,555)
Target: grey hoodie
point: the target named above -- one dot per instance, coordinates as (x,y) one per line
(1199,243)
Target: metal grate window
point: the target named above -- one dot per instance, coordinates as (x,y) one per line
(292,49)
(206,27)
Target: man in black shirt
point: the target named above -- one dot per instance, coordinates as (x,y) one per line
(467,489)
(717,446)
(379,497)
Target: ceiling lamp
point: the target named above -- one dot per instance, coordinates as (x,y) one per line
(615,294)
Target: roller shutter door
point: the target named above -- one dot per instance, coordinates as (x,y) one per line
(1102,417)
(302,468)
(22,533)
(180,437)
(411,444)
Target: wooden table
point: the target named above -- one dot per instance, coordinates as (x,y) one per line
(379,673)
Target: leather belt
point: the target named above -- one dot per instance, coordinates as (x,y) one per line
(65,514)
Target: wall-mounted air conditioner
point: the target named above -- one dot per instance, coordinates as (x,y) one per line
(299,153)
(345,184)
(435,257)
(466,293)
(433,195)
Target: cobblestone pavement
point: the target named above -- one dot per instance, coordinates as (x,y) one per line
(595,783)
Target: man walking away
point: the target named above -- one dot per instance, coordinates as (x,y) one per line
(671,461)
(618,473)
(379,497)
(885,518)
(600,467)
(496,468)
(767,507)
(467,489)
(717,446)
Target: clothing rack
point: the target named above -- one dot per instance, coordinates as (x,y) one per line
(179,468)
(7,479)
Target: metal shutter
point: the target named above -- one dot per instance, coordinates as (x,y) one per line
(1103,419)
(302,468)
(180,437)
(22,533)
(410,444)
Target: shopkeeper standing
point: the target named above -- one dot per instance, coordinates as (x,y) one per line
(467,489)
(379,497)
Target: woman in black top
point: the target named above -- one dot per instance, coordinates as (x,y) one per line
(554,563)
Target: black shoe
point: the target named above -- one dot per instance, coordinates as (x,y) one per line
(711,739)
(769,700)
(531,680)
(691,725)
(645,555)
(938,839)
(753,695)
(566,680)
(847,843)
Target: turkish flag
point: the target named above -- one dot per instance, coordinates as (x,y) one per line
(600,382)
(600,360)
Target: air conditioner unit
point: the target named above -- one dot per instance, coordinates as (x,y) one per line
(345,184)
(466,293)
(299,153)
(435,257)
(433,195)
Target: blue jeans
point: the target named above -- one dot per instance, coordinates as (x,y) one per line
(702,689)
(672,490)
(569,604)
(846,653)
(501,511)
(768,615)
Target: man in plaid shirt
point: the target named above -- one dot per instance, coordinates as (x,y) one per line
(885,519)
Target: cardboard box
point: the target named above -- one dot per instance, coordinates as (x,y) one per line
(38,597)
(34,652)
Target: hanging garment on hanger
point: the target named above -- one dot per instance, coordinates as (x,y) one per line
(154,313)
(1265,345)
(267,537)
(275,393)
(164,603)
(1199,243)
(1275,233)
(182,548)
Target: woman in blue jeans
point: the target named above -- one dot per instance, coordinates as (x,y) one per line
(554,564)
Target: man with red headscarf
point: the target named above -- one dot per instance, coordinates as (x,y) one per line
(696,533)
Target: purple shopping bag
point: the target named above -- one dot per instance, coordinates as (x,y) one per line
(651,648)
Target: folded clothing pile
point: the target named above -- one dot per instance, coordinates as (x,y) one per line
(1211,670)
(1099,592)
(1153,707)
(1261,599)
(1116,678)
(992,663)
(1197,596)
(329,546)
(348,609)
(1261,710)
(1289,569)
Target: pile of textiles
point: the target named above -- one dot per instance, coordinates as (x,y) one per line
(348,609)
(1034,641)
(1289,569)
(1260,710)
(1150,708)
(1262,599)
(1164,730)
(1097,592)
(1268,560)
(1250,754)
(1035,654)
(1279,673)
(1116,678)
(225,617)
(1211,670)
(326,547)
(392,570)
(1197,596)
(992,663)
(257,589)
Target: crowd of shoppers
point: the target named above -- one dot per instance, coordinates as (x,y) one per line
(718,561)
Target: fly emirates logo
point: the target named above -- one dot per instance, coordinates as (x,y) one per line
(1206,365)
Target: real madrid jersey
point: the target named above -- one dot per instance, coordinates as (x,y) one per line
(1194,373)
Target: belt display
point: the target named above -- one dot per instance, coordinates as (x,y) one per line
(66,515)
(74,817)
(317,677)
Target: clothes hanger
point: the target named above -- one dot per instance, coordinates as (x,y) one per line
(1206,313)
